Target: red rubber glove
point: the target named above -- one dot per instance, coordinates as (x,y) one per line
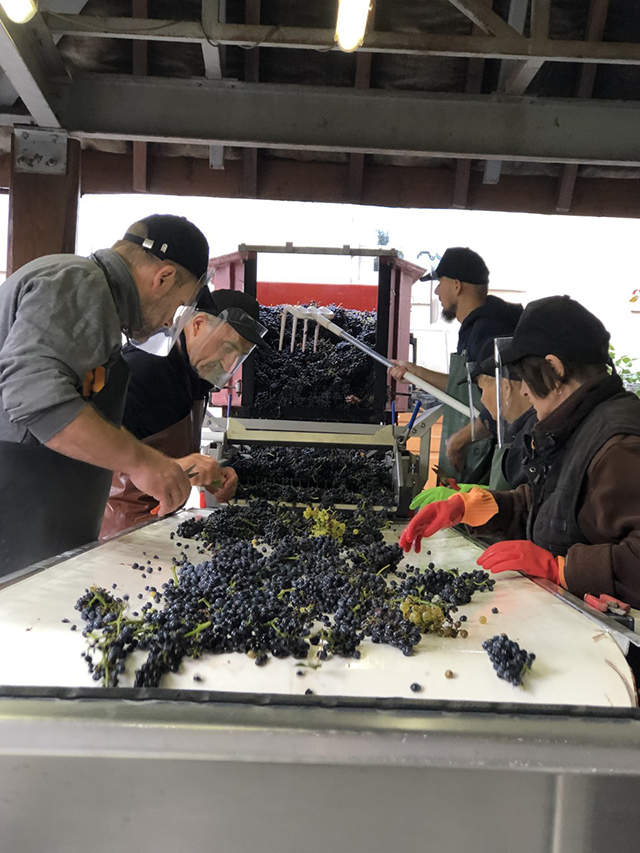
(522,555)
(475,508)
(430,519)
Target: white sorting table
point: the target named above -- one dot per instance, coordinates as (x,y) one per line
(577,662)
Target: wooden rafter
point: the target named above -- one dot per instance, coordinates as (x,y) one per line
(251,75)
(356,159)
(485,18)
(595,30)
(473,86)
(362,81)
(140,9)
(509,46)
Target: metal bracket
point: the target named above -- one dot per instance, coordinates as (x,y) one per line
(40,151)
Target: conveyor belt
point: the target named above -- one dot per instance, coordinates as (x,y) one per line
(577,662)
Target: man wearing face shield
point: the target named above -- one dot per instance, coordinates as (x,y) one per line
(463,291)
(514,415)
(167,397)
(63,383)
(576,522)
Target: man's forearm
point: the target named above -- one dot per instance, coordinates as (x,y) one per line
(92,439)
(439,380)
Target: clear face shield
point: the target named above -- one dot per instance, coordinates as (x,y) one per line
(162,341)
(218,345)
(471,391)
(504,391)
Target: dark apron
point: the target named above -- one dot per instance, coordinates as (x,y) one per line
(477,464)
(50,502)
(127,505)
(497,481)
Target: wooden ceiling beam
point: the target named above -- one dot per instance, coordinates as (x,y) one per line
(485,19)
(250,156)
(312,38)
(356,159)
(140,67)
(388,186)
(473,86)
(595,31)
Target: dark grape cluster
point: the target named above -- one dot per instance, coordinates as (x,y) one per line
(281,590)
(509,660)
(309,474)
(330,384)
(270,523)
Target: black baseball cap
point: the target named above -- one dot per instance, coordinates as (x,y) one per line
(486,364)
(236,304)
(174,238)
(560,326)
(461,263)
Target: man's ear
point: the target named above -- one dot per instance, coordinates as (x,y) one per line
(557,365)
(197,323)
(163,279)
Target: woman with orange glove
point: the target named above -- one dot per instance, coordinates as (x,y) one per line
(577,520)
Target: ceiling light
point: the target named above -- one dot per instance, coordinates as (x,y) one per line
(352,23)
(19,11)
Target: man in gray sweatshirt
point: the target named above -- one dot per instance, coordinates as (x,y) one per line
(63,384)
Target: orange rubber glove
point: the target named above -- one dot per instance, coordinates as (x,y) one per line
(522,555)
(474,508)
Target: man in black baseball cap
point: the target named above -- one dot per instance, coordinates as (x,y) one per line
(172,238)
(63,383)
(463,264)
(166,399)
(463,291)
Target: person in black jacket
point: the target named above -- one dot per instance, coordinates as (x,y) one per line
(463,290)
(576,522)
(166,399)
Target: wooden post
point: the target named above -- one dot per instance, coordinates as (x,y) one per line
(43,211)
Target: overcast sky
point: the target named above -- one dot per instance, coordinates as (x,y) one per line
(593,259)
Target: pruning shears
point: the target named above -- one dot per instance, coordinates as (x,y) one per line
(613,607)
(444,480)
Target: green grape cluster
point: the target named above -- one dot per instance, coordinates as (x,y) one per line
(428,617)
(324,523)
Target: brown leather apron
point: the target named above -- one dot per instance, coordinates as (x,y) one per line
(127,505)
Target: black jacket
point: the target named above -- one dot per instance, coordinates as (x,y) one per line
(495,319)
(162,390)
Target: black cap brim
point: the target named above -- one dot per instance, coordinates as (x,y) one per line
(249,334)
(513,353)
(429,277)
(482,368)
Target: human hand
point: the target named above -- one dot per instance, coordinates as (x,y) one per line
(456,447)
(399,368)
(203,470)
(430,496)
(228,488)
(524,556)
(440,493)
(430,519)
(164,480)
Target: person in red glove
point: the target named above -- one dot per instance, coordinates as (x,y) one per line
(577,520)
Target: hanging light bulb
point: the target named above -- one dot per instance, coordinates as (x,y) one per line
(352,23)
(19,11)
